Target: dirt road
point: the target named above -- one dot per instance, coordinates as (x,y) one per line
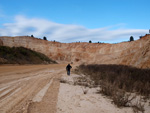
(29,89)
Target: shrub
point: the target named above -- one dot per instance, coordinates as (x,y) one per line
(118,82)
(138,107)
(126,78)
(21,55)
(90,41)
(44,38)
(131,38)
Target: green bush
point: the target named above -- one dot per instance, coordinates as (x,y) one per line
(21,55)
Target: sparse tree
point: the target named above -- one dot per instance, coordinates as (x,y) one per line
(90,41)
(131,38)
(140,37)
(32,36)
(44,38)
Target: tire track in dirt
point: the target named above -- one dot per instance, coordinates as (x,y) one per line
(26,89)
(49,100)
(38,97)
(17,95)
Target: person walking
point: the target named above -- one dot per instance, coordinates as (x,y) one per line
(68,67)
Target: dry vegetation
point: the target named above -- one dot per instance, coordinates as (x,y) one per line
(119,82)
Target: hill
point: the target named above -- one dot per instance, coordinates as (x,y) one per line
(21,55)
(135,53)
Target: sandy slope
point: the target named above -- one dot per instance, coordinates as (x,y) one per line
(29,89)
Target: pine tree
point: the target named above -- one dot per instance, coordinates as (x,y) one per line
(90,41)
(131,38)
(44,38)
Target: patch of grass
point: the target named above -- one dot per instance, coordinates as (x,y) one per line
(21,55)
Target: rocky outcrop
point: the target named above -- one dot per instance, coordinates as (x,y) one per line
(135,53)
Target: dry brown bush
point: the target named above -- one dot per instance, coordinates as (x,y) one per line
(126,78)
(118,82)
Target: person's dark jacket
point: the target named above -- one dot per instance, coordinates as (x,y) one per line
(68,67)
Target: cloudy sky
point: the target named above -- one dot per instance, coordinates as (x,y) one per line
(109,21)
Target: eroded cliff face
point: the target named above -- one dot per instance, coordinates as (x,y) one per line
(135,53)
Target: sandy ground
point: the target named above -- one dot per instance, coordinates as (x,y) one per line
(37,89)
(71,99)
(29,88)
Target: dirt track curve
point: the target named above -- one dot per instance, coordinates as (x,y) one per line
(29,89)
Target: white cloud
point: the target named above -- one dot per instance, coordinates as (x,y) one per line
(67,32)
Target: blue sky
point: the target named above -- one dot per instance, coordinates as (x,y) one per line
(75,20)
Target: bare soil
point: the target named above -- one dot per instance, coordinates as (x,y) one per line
(29,88)
(37,89)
